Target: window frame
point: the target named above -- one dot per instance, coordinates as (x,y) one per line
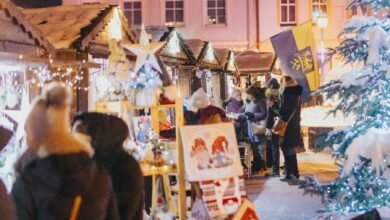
(288,5)
(174,9)
(132,10)
(216,8)
(328,7)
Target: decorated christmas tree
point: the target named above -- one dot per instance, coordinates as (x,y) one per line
(362,149)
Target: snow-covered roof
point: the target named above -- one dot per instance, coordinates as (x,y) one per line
(254,62)
(67,26)
(183,56)
(12,38)
(63,25)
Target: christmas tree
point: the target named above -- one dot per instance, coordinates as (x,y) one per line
(362,149)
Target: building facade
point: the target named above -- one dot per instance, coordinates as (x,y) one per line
(225,23)
(236,24)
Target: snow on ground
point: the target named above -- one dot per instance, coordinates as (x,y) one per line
(317,117)
(276,200)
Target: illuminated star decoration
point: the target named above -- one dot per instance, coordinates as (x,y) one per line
(20,116)
(145,51)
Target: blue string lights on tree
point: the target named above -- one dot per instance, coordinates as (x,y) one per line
(364,183)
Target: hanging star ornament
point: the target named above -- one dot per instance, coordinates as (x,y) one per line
(145,51)
(20,116)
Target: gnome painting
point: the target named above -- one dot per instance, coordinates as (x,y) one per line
(210,152)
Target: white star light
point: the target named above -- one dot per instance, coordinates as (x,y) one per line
(20,116)
(145,51)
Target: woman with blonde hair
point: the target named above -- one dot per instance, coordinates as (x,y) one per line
(60,180)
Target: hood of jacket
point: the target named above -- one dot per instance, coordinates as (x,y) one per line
(107,132)
(65,175)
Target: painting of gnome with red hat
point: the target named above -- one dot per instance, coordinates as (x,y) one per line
(210,152)
(220,149)
(201,154)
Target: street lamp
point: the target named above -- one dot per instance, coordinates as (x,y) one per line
(322,22)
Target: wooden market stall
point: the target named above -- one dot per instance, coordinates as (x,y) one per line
(179,59)
(251,64)
(70,32)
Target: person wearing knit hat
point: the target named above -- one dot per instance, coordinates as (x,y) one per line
(272,90)
(107,135)
(272,94)
(255,111)
(61,175)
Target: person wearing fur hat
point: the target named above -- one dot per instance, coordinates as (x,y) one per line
(272,94)
(198,107)
(6,207)
(290,112)
(255,111)
(61,181)
(107,134)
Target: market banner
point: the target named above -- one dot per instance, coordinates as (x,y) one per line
(296,51)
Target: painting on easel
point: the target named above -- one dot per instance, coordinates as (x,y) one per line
(210,152)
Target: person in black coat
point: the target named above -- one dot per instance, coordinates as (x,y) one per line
(273,104)
(60,181)
(6,208)
(108,134)
(290,112)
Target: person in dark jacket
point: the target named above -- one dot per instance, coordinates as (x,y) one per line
(290,112)
(273,146)
(256,111)
(6,208)
(108,134)
(61,182)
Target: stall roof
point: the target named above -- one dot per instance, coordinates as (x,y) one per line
(65,27)
(184,56)
(12,38)
(196,46)
(254,62)
(222,55)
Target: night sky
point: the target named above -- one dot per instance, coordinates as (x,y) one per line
(37,3)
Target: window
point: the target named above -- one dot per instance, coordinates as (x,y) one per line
(133,12)
(288,12)
(174,12)
(319,8)
(216,11)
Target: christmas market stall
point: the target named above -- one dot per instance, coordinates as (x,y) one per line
(206,73)
(36,49)
(254,66)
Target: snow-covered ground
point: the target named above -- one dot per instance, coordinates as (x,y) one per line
(317,117)
(276,200)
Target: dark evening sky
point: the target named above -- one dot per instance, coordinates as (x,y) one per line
(37,3)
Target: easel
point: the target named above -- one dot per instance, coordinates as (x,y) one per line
(121,109)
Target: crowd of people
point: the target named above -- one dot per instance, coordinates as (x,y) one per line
(79,169)
(259,115)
